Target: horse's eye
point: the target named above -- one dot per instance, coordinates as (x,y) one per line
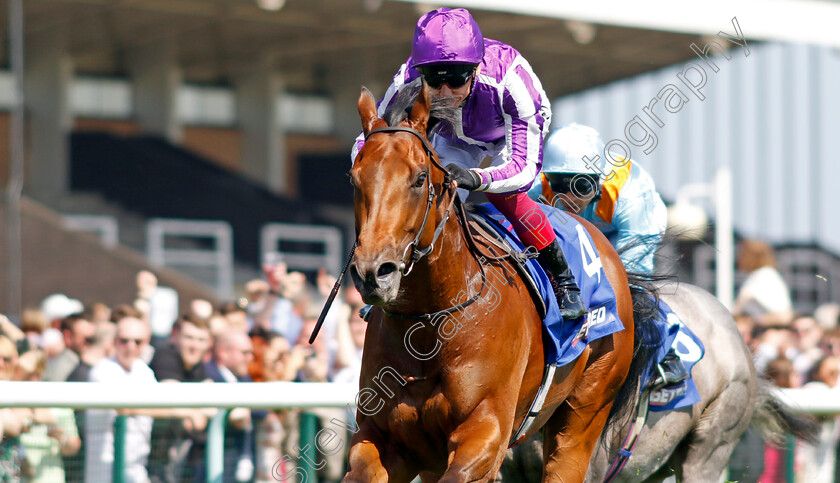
(420,180)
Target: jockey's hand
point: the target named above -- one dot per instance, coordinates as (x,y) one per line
(466,178)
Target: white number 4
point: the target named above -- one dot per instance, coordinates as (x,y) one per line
(591,262)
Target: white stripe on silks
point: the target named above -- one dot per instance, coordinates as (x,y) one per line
(395,87)
(486,79)
(519,90)
(545,105)
(524,177)
(511,70)
(533,134)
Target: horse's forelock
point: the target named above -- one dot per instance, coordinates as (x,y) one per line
(400,108)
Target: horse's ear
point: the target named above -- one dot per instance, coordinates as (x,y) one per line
(419,117)
(367,110)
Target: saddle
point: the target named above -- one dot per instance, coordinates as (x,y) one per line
(478,225)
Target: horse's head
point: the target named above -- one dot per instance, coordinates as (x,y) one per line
(395,180)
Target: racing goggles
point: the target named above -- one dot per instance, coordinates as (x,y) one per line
(453,75)
(580,185)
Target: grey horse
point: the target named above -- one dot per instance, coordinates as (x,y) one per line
(694,443)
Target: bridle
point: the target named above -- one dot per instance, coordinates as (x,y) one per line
(412,254)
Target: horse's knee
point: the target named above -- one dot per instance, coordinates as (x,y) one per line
(476,451)
(365,464)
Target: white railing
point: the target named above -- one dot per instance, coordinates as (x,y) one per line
(90,395)
(98,395)
(812,400)
(95,395)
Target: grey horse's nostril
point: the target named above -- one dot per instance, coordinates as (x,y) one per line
(386,269)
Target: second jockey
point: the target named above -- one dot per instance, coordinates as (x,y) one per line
(617,196)
(620,199)
(504,115)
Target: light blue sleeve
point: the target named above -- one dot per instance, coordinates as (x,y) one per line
(639,219)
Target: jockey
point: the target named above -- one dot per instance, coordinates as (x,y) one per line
(618,197)
(504,115)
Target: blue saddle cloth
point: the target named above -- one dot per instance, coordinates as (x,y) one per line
(690,349)
(565,340)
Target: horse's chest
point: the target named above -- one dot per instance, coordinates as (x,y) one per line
(422,421)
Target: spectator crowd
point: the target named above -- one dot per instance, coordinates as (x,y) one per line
(790,350)
(260,337)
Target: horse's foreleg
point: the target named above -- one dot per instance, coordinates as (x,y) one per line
(370,460)
(476,448)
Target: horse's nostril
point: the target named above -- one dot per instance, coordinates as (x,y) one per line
(355,275)
(386,269)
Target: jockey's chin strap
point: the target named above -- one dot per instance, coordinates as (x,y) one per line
(412,254)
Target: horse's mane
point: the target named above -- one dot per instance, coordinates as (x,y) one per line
(644,290)
(441,110)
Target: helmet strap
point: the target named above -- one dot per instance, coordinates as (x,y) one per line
(472,85)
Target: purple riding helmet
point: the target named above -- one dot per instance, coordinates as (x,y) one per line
(447,36)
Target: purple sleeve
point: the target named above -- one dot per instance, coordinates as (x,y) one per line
(527,116)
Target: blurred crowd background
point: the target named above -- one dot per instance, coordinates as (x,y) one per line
(262,336)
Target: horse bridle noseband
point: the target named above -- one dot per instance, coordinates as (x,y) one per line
(409,259)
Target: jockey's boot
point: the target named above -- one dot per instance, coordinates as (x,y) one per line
(670,371)
(562,281)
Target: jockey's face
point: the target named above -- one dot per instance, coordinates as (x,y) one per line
(575,204)
(458,94)
(572,192)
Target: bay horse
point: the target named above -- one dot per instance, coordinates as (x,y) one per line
(441,392)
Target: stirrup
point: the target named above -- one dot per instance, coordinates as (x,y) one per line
(571,307)
(670,371)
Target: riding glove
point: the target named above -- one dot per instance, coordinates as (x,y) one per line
(466,178)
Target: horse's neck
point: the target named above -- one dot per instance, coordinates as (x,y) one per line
(439,278)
